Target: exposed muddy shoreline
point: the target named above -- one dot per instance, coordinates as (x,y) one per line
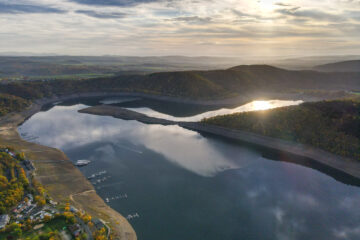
(60,177)
(342,164)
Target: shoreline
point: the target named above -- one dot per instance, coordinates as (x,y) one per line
(63,181)
(345,165)
(241,99)
(342,164)
(59,181)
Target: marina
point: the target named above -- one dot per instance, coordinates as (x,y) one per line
(95,175)
(132,216)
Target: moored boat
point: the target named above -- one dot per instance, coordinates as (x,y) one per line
(81,163)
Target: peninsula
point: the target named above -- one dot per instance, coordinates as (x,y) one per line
(343,164)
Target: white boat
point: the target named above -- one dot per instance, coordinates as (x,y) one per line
(92,176)
(80,163)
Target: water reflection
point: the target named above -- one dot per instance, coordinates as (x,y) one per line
(187,186)
(117,100)
(61,128)
(252,106)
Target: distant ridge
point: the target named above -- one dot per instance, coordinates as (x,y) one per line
(259,67)
(346,66)
(243,80)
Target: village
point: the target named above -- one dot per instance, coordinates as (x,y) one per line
(36,215)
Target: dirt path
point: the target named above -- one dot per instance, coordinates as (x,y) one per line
(76,194)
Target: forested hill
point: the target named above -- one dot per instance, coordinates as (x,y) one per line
(245,79)
(346,66)
(214,84)
(333,126)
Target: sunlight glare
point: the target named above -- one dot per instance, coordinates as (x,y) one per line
(267,5)
(262,105)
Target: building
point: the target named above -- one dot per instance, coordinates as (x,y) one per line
(75,230)
(98,224)
(73,209)
(4,220)
(30,197)
(29,166)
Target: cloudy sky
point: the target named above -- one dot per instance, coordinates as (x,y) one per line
(181,27)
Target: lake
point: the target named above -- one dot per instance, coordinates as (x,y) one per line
(176,184)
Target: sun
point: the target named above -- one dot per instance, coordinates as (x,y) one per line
(261,105)
(267,4)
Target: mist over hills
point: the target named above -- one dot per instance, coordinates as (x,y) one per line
(51,66)
(346,66)
(82,67)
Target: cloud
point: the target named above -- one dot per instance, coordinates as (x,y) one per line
(9,8)
(282,4)
(247,17)
(242,14)
(191,27)
(354,15)
(279,214)
(310,14)
(119,3)
(192,19)
(347,233)
(102,15)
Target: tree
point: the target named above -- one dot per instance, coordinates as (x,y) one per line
(86,218)
(100,234)
(40,200)
(20,156)
(83,236)
(17,232)
(70,217)
(67,207)
(47,218)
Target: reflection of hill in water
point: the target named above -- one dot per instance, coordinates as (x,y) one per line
(177,179)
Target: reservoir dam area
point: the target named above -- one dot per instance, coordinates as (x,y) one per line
(173,178)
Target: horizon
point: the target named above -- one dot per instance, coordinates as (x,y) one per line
(275,57)
(179,119)
(148,28)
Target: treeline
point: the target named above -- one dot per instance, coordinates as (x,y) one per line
(10,66)
(333,126)
(216,84)
(194,84)
(13,182)
(178,84)
(11,103)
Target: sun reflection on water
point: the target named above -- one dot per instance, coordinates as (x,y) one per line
(257,105)
(261,105)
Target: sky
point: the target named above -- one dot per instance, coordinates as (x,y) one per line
(236,28)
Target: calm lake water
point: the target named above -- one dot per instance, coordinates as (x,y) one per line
(179,184)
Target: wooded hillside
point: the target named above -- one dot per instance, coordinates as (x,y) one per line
(333,126)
